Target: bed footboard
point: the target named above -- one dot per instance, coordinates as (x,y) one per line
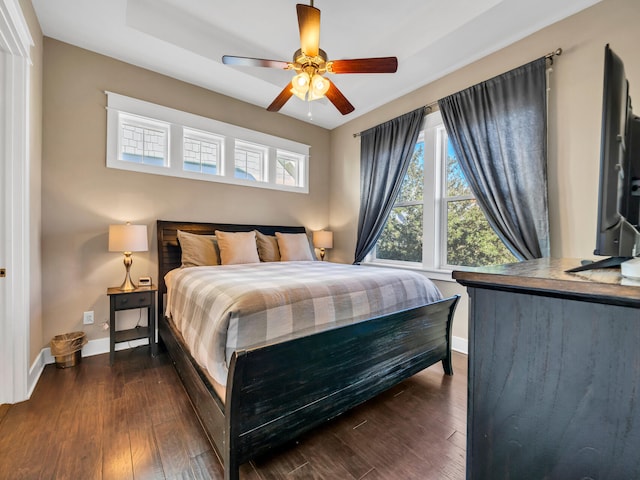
(281,390)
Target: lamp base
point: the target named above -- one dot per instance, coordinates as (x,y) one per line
(127,285)
(322,252)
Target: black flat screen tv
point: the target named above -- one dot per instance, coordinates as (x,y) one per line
(619,192)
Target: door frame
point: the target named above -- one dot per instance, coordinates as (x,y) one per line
(15,239)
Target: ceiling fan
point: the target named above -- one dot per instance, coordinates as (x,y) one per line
(310,63)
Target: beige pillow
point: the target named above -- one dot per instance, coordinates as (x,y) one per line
(267,247)
(198,250)
(237,247)
(293,246)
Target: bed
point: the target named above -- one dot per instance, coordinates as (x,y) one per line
(279,389)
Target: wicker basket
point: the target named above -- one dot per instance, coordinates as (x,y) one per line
(67,348)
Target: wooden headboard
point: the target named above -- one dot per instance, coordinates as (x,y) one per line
(169,253)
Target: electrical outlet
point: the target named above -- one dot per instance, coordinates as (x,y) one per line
(88,318)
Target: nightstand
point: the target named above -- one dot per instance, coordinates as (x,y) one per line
(141,297)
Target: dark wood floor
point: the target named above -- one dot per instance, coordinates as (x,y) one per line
(134,420)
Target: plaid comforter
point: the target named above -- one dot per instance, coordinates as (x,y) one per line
(225,308)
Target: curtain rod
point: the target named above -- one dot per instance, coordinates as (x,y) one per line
(428,107)
(556,53)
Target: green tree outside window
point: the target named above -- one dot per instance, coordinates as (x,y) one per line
(470,240)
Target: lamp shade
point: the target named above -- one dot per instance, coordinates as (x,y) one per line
(323,239)
(319,87)
(300,85)
(128,238)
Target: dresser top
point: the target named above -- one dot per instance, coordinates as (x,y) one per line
(548,276)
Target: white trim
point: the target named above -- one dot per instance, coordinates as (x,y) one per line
(95,347)
(230,134)
(432,274)
(15,37)
(15,44)
(36,371)
(460,345)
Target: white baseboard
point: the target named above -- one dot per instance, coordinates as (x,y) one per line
(97,347)
(93,347)
(34,373)
(460,344)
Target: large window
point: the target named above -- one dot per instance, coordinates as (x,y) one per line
(150,138)
(436,223)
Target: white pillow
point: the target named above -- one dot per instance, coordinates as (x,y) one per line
(294,247)
(237,247)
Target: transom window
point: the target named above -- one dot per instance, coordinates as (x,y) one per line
(150,138)
(143,140)
(250,161)
(289,168)
(436,223)
(202,152)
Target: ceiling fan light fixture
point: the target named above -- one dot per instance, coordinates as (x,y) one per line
(300,85)
(311,63)
(319,87)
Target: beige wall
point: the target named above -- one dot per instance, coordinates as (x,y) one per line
(81,197)
(35,155)
(574,125)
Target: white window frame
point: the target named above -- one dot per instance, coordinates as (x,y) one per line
(252,148)
(178,121)
(291,156)
(445,200)
(433,239)
(201,136)
(144,123)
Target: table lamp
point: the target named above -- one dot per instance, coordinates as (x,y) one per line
(322,239)
(128,238)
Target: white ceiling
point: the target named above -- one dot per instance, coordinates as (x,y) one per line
(186,39)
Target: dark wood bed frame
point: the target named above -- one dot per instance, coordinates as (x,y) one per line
(278,391)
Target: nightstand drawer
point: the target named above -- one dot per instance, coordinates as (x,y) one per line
(133,300)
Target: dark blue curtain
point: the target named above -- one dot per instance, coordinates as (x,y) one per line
(498,130)
(385,155)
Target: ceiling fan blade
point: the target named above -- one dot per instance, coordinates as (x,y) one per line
(365,65)
(336,97)
(254,62)
(309,25)
(281,99)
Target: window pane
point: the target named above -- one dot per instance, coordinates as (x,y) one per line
(141,144)
(401,238)
(200,155)
(470,239)
(249,162)
(456,182)
(413,183)
(287,170)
